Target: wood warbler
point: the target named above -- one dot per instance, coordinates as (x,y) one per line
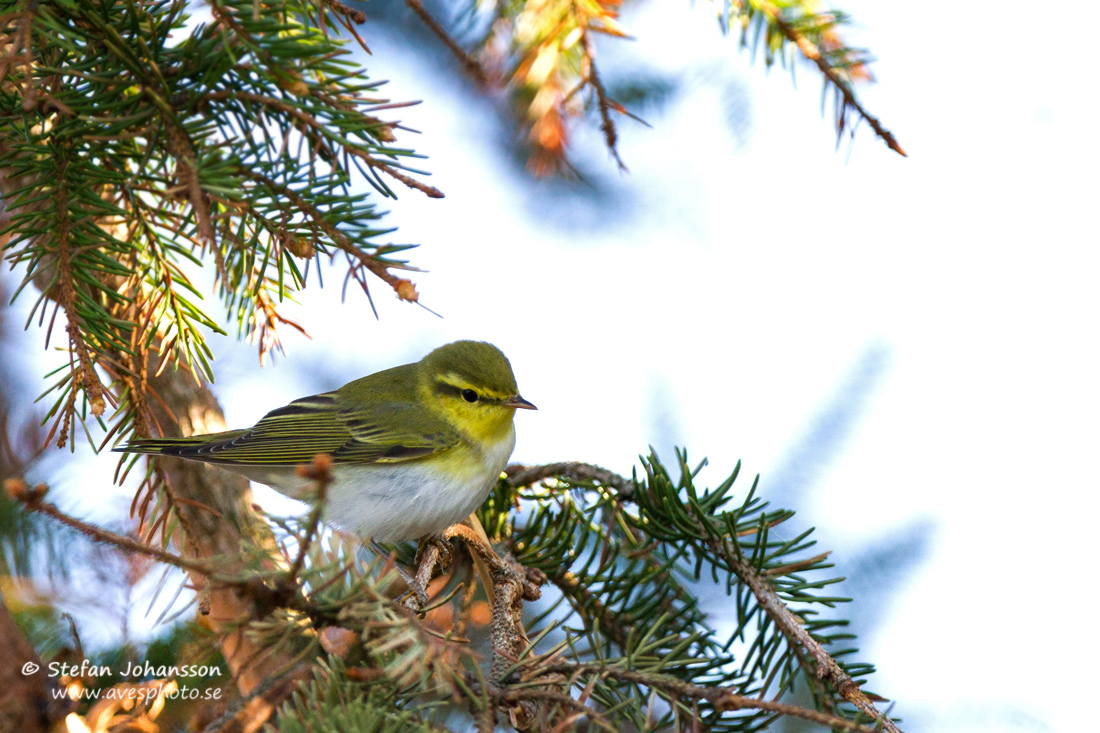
(414,449)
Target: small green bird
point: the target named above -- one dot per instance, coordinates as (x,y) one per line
(415,449)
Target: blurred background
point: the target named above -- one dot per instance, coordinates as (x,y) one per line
(905,349)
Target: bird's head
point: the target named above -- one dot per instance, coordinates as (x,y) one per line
(471,384)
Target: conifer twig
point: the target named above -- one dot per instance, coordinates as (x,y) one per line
(520,476)
(320,471)
(722,698)
(473,68)
(358,16)
(403,287)
(813,53)
(512,585)
(824,666)
(32,500)
(607,126)
(791,627)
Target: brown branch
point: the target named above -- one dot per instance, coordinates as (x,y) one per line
(607,126)
(813,53)
(358,16)
(66,297)
(790,625)
(32,500)
(430,191)
(473,68)
(512,585)
(520,694)
(186,171)
(319,471)
(520,476)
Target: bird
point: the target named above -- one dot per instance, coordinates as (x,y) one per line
(414,449)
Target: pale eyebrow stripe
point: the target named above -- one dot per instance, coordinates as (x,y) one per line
(453,384)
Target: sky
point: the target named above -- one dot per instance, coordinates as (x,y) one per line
(900,345)
(903,348)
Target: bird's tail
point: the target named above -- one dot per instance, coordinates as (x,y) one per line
(183,447)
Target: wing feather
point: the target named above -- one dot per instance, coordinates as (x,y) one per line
(296,433)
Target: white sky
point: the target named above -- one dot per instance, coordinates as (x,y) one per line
(746,282)
(749,280)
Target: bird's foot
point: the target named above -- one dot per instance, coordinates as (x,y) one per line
(442,546)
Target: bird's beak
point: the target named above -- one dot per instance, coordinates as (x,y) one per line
(519,403)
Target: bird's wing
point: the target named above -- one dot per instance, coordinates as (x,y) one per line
(296,433)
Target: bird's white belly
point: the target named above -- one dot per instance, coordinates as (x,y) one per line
(402,501)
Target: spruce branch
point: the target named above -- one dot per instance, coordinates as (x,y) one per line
(120,160)
(836,74)
(469,63)
(603,103)
(546,52)
(736,541)
(723,699)
(401,286)
(792,627)
(67,298)
(655,649)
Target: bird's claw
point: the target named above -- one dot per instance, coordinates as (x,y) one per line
(445,553)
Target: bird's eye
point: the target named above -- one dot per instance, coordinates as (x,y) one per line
(469,395)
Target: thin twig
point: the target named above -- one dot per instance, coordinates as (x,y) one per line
(402,286)
(520,476)
(320,470)
(473,68)
(722,698)
(791,627)
(430,191)
(607,126)
(32,500)
(357,16)
(813,53)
